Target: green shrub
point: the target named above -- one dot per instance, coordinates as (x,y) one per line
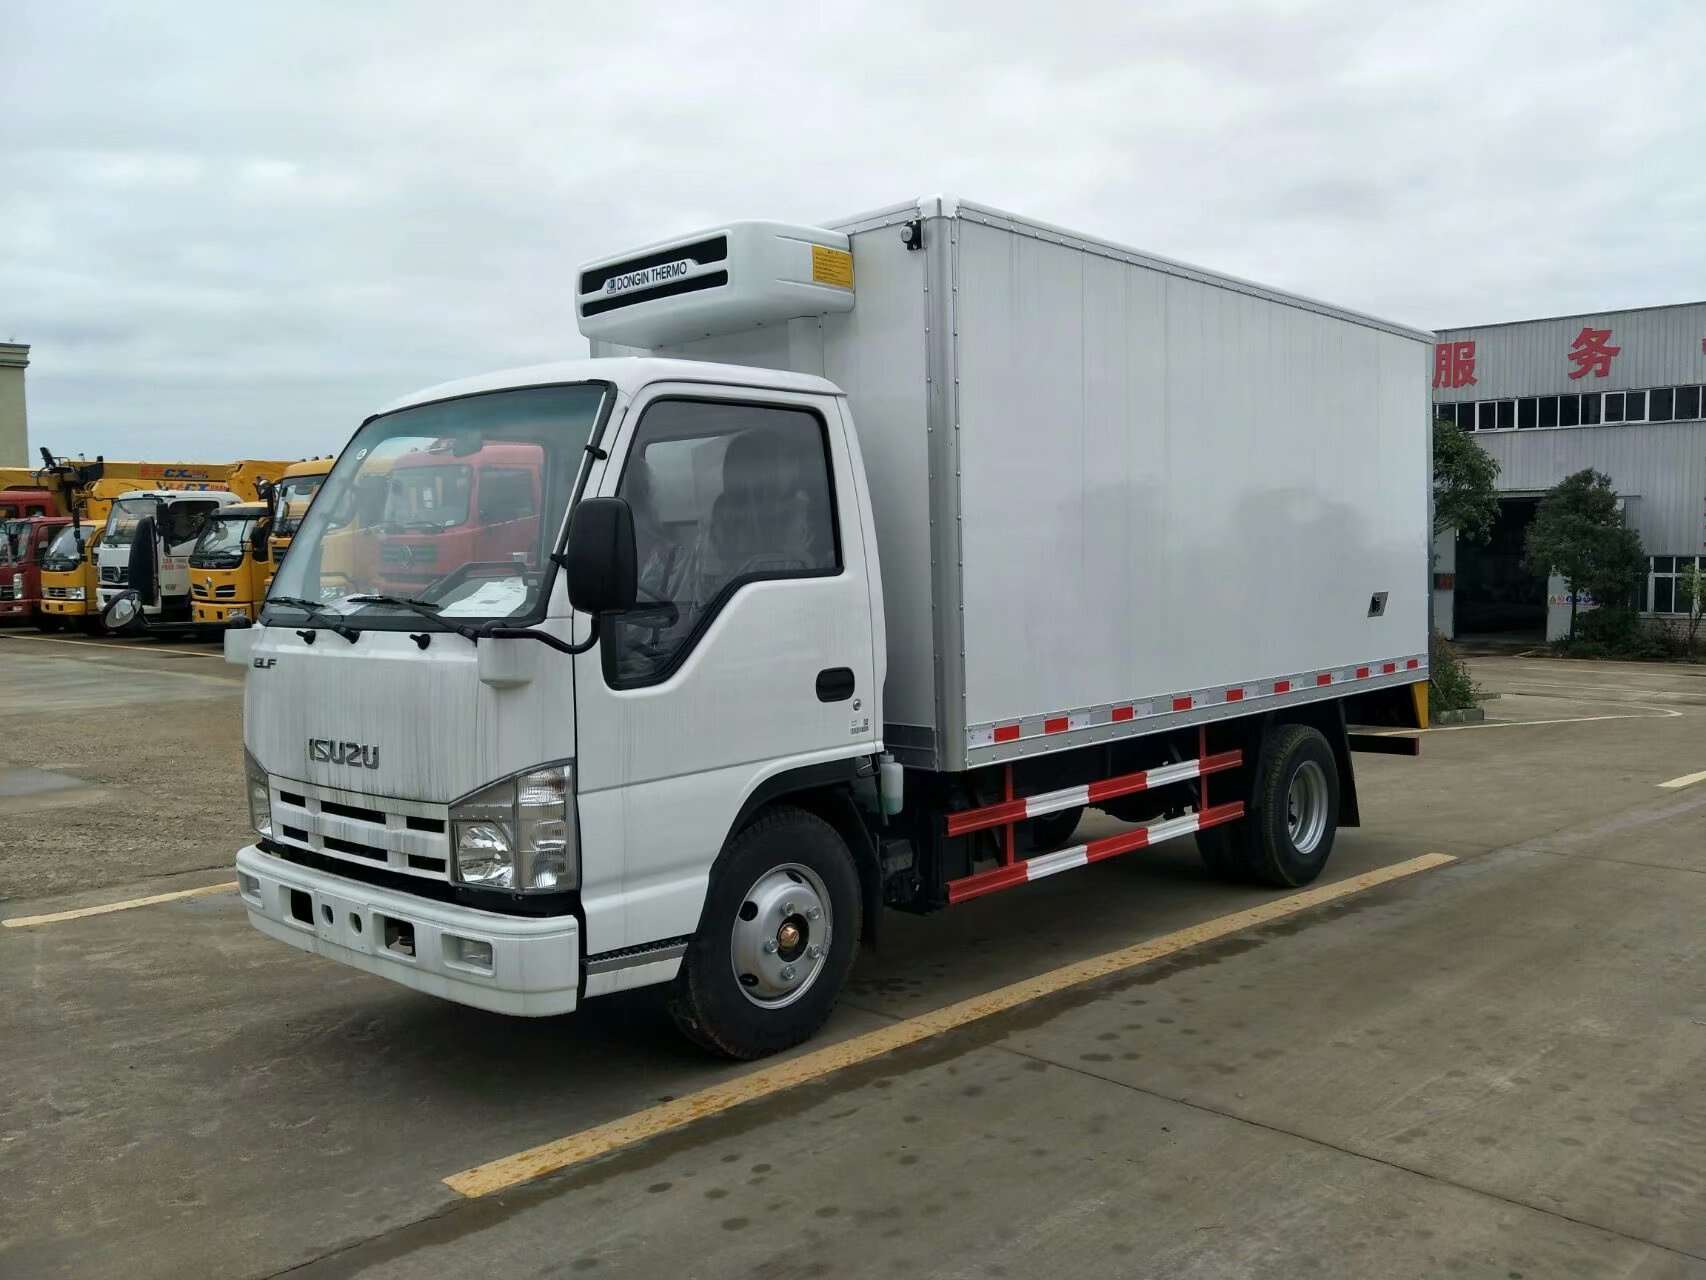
(1449,685)
(1617,633)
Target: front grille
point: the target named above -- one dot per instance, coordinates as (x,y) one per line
(226,592)
(116,575)
(405,836)
(198,590)
(422,553)
(56,593)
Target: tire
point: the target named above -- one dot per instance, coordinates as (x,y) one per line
(749,985)
(1051,831)
(1296,809)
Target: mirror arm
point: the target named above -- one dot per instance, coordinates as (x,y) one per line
(543,637)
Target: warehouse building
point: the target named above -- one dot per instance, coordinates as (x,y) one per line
(1623,392)
(14,432)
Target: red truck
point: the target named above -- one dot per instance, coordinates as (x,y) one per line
(23,544)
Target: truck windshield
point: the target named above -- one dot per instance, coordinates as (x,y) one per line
(222,537)
(126,514)
(65,553)
(290,502)
(456,504)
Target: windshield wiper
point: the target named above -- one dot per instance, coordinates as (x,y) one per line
(317,613)
(426,608)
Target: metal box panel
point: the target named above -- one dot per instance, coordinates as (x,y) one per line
(1167,484)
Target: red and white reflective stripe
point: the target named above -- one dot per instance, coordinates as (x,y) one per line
(1124,717)
(1079,855)
(995,815)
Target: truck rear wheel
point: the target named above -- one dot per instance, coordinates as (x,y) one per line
(1291,814)
(776,940)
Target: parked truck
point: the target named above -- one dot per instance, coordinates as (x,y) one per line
(230,565)
(859,561)
(24,545)
(144,552)
(290,500)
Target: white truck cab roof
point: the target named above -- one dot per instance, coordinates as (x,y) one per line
(224,497)
(628,373)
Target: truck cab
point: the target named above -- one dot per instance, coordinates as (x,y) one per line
(24,544)
(229,565)
(143,556)
(69,579)
(21,503)
(291,497)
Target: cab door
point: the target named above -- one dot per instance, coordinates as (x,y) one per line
(750,652)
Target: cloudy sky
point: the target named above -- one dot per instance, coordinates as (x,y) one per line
(233,230)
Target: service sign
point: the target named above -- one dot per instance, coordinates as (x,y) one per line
(648,277)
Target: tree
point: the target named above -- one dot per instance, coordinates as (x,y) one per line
(1691,603)
(1464,475)
(1578,533)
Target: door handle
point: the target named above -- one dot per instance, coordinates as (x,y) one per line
(835,684)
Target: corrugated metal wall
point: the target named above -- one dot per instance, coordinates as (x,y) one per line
(1660,346)
(1661,468)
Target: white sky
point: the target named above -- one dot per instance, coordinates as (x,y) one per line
(233,230)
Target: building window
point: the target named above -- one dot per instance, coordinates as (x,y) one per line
(1507,415)
(1634,406)
(1527,413)
(1590,410)
(1687,403)
(1663,575)
(1486,415)
(1548,411)
(1613,411)
(1659,403)
(1569,411)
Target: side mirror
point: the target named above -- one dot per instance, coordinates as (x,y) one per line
(599,560)
(144,564)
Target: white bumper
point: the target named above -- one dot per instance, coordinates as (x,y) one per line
(534,967)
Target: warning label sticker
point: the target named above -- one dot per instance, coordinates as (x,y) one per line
(832,266)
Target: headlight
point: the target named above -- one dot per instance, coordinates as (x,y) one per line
(518,834)
(74,593)
(260,798)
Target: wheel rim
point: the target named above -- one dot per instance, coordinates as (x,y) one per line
(1306,807)
(781,936)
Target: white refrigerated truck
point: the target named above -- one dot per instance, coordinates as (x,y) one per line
(858,562)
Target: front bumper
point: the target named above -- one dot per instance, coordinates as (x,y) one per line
(220,614)
(76,608)
(535,963)
(10,608)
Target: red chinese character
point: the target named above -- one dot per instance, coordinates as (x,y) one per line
(1454,364)
(1590,352)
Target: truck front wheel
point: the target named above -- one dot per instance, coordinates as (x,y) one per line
(777,938)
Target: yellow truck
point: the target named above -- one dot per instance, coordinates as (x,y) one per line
(230,565)
(291,496)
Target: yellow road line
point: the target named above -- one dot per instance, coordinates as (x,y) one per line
(118,647)
(54,917)
(1687,780)
(508,1171)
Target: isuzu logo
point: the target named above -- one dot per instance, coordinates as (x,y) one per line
(327,751)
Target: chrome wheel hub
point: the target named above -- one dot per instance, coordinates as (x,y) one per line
(781,936)
(1306,807)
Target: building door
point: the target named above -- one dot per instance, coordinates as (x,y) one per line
(1496,595)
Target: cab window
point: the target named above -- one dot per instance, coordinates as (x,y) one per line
(723,494)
